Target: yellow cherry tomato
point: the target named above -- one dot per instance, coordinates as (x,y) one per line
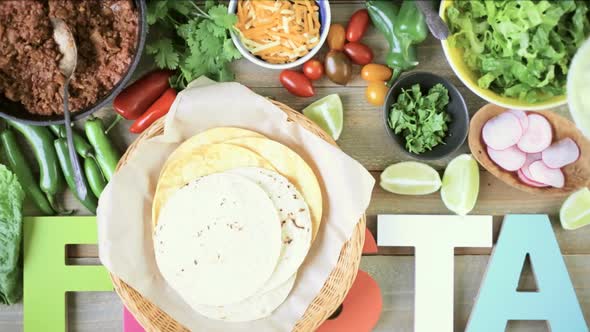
(336,37)
(376,92)
(375,72)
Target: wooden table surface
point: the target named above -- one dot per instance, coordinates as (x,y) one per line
(364,138)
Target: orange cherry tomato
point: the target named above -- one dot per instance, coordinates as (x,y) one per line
(313,69)
(336,37)
(359,53)
(358,24)
(375,72)
(296,83)
(376,92)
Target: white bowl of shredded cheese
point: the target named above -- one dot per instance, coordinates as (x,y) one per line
(578,88)
(280,35)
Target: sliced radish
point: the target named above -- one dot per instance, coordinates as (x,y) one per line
(510,159)
(530,158)
(538,136)
(561,153)
(524,179)
(543,174)
(502,131)
(522,117)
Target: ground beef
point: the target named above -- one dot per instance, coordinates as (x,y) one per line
(106,35)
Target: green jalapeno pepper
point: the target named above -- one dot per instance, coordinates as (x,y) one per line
(106,154)
(83,148)
(94,176)
(41,140)
(403,28)
(20,167)
(63,154)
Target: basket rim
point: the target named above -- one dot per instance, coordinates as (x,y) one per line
(326,302)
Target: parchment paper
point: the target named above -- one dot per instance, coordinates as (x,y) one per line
(124,213)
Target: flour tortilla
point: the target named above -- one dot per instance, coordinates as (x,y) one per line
(218,240)
(183,168)
(293,167)
(294,219)
(252,308)
(210,136)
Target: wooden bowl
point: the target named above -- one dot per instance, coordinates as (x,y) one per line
(577,175)
(321,308)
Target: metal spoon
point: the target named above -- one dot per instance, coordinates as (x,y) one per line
(437,26)
(67,66)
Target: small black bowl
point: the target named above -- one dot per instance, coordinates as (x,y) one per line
(458,127)
(17,112)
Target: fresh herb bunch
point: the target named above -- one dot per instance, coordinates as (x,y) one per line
(519,49)
(195,41)
(421,120)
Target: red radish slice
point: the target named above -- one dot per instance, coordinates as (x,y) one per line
(502,131)
(522,117)
(543,174)
(510,159)
(524,179)
(530,158)
(538,136)
(561,153)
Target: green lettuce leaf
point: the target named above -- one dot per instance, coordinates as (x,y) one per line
(11,202)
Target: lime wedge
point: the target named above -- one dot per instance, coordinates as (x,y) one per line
(575,211)
(327,113)
(460,184)
(410,178)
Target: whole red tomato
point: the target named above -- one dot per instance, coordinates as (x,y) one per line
(358,24)
(313,69)
(359,53)
(296,83)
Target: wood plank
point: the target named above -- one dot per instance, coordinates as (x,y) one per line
(395,276)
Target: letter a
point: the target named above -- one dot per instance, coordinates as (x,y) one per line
(499,301)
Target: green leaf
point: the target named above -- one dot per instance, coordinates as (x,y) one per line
(221,17)
(164,54)
(11,202)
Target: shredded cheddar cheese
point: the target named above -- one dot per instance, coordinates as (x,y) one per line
(279,31)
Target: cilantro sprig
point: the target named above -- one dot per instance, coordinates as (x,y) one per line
(193,39)
(421,120)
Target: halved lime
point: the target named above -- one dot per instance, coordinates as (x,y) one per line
(410,178)
(327,113)
(575,211)
(460,184)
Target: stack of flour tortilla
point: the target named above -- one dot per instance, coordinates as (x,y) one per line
(234,216)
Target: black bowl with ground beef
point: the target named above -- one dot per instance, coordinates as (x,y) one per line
(110,37)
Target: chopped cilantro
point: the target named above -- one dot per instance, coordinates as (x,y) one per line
(421,120)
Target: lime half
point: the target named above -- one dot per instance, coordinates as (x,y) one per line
(410,178)
(575,211)
(327,113)
(460,185)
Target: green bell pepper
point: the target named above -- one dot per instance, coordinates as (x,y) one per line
(403,28)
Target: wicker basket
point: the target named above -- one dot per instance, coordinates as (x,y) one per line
(325,303)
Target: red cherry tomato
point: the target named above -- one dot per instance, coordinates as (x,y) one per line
(359,53)
(296,83)
(313,69)
(358,24)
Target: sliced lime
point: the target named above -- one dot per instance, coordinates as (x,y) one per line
(410,178)
(460,184)
(327,113)
(575,211)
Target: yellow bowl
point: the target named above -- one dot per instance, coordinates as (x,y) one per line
(469,78)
